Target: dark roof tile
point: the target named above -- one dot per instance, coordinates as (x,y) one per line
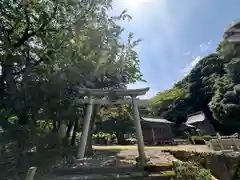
(156,120)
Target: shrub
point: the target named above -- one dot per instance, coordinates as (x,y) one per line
(198,140)
(197,137)
(191,171)
(207,137)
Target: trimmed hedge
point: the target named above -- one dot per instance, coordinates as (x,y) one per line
(198,140)
(201,140)
(206,138)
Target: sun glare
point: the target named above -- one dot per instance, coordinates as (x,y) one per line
(132,5)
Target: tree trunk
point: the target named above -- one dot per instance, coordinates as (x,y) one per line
(120,138)
(89,150)
(73,140)
(21,142)
(58,125)
(68,133)
(2,86)
(69,128)
(54,126)
(23,118)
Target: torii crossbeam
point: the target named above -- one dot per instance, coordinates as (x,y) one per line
(133,93)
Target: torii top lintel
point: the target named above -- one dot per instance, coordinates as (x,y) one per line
(117,92)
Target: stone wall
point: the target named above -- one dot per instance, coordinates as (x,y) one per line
(233,143)
(222,166)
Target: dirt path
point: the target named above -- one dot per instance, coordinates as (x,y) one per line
(197,148)
(108,155)
(156,156)
(123,157)
(154,152)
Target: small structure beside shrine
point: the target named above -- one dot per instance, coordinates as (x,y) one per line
(232,33)
(157,131)
(201,123)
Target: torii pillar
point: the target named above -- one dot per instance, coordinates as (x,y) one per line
(140,142)
(86,125)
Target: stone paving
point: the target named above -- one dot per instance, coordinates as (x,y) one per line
(156,156)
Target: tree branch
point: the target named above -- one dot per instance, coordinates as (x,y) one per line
(36,63)
(26,31)
(4,31)
(82,16)
(26,35)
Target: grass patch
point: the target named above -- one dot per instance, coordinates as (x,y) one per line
(164,164)
(167,173)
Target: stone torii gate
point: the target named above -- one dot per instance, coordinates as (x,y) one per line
(112,94)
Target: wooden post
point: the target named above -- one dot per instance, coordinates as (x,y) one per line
(140,142)
(86,124)
(219,141)
(175,163)
(235,147)
(222,160)
(153,135)
(31,173)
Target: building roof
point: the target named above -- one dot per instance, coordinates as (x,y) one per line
(232,32)
(233,25)
(199,117)
(189,125)
(156,120)
(234,38)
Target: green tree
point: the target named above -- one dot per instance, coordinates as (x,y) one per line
(225,102)
(117,121)
(191,94)
(49,49)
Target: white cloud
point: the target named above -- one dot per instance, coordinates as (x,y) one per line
(191,65)
(135,7)
(195,59)
(205,46)
(149,94)
(152,92)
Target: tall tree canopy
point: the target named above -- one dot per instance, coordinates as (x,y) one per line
(51,48)
(48,50)
(193,93)
(212,86)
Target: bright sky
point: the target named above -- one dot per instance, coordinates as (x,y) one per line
(175,33)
